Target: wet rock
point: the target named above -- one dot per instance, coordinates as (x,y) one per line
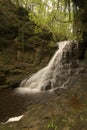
(47,86)
(14,84)
(2,79)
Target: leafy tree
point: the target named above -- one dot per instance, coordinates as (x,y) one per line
(55,15)
(59,16)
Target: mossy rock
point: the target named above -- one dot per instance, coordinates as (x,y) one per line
(52,44)
(33,46)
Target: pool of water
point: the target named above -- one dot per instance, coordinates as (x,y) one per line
(13,104)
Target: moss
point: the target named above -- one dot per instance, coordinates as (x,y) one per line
(52,44)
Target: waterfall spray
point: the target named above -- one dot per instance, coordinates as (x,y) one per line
(57,73)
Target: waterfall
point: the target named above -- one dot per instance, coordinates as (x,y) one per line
(57,73)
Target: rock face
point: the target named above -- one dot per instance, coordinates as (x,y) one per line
(23,49)
(80,22)
(60,71)
(62,110)
(66,110)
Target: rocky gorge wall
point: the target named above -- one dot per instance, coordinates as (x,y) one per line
(23,48)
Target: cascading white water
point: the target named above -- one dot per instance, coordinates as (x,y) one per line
(57,73)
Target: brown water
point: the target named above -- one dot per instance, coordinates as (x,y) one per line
(13,104)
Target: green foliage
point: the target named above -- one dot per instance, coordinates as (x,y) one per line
(52,125)
(52,44)
(64,17)
(37,30)
(54,15)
